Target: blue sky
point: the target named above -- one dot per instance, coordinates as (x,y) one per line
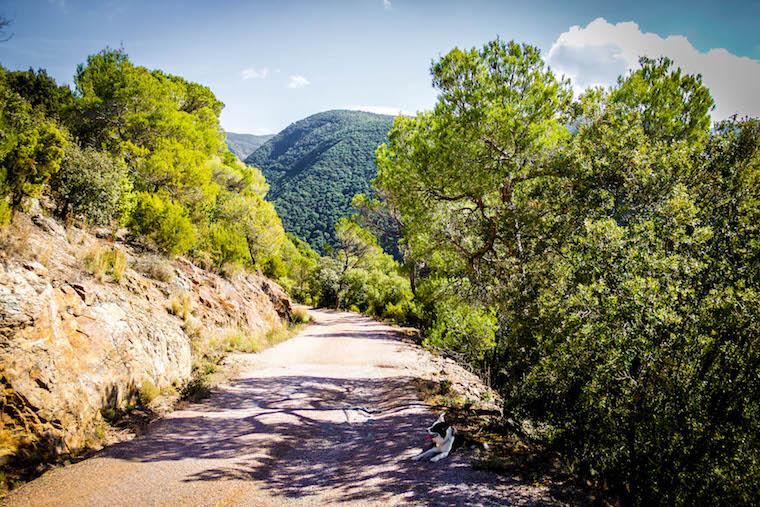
(274,62)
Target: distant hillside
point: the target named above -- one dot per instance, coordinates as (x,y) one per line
(243,145)
(316,165)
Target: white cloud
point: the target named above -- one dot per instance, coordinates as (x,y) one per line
(392,111)
(387,5)
(252,73)
(297,81)
(596,54)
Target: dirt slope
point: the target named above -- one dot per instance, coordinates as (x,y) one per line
(328,417)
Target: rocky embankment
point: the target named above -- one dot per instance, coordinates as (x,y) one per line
(85,323)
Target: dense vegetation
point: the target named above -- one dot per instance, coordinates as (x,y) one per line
(243,145)
(316,166)
(142,149)
(597,259)
(358,275)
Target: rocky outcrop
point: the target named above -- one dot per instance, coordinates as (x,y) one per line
(71,344)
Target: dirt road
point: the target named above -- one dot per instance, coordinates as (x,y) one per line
(328,417)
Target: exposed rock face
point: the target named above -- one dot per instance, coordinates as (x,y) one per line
(71,345)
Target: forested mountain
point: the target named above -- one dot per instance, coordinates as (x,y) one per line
(243,145)
(316,165)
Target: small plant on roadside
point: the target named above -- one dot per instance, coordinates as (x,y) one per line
(197,389)
(300,315)
(148,392)
(238,340)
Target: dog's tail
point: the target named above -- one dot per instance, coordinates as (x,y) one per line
(471,443)
(479,446)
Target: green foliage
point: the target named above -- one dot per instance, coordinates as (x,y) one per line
(5,213)
(191,194)
(226,245)
(92,185)
(256,222)
(606,276)
(358,275)
(301,261)
(466,331)
(375,215)
(315,167)
(31,148)
(672,105)
(42,92)
(163,222)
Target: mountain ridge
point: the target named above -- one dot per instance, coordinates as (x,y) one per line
(243,145)
(316,165)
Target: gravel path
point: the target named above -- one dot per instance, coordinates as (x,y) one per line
(328,417)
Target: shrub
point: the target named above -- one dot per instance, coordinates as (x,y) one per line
(275,268)
(5,212)
(148,392)
(92,185)
(226,246)
(163,222)
(397,312)
(32,148)
(156,267)
(196,389)
(464,330)
(300,315)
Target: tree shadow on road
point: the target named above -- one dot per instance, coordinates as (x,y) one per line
(342,439)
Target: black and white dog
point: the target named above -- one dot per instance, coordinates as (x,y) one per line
(445,441)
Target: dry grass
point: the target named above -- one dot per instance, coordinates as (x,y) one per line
(181,305)
(157,268)
(300,315)
(209,350)
(148,392)
(103,263)
(76,237)
(231,269)
(237,339)
(44,254)
(14,238)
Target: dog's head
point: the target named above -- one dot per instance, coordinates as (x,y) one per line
(440,430)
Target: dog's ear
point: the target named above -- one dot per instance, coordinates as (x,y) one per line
(441,417)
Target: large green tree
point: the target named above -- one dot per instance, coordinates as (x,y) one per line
(612,238)
(31,149)
(192,193)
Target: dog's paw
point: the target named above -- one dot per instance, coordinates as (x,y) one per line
(439,457)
